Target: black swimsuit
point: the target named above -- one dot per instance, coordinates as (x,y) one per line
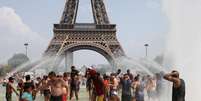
(56,98)
(178,94)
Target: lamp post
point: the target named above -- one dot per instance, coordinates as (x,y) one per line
(26,47)
(146,47)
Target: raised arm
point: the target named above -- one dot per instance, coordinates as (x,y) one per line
(14,89)
(173,77)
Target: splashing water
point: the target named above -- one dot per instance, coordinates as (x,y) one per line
(145,66)
(142,65)
(19,68)
(184,43)
(46,63)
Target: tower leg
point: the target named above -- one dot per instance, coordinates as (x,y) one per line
(68,60)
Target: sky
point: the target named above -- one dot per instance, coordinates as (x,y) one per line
(138,22)
(171,25)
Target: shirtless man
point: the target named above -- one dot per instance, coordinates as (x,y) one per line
(138,89)
(73,87)
(113,88)
(151,88)
(56,87)
(65,91)
(10,89)
(126,88)
(45,88)
(20,87)
(178,89)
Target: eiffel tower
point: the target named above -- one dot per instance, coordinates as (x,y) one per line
(99,36)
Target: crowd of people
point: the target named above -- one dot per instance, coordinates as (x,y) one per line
(131,87)
(115,86)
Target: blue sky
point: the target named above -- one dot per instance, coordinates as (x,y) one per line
(138,22)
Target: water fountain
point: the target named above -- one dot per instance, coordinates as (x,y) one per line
(141,65)
(183,47)
(184,42)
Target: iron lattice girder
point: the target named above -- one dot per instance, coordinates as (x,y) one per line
(85,32)
(70,12)
(85,27)
(98,8)
(100,36)
(106,35)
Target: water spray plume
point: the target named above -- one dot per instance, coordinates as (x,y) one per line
(184,42)
(142,65)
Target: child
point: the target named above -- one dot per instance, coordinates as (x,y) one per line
(27,94)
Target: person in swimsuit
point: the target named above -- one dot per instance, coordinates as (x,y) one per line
(126,88)
(73,86)
(65,91)
(56,87)
(178,88)
(138,89)
(10,89)
(151,89)
(45,88)
(20,87)
(113,88)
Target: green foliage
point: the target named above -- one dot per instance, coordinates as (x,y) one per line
(5,69)
(13,62)
(159,59)
(17,60)
(101,70)
(2,71)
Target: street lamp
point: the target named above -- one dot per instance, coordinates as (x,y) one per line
(26,47)
(146,47)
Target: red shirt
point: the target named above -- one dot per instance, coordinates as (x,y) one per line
(99,86)
(106,83)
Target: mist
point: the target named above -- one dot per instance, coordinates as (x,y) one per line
(184,42)
(14,33)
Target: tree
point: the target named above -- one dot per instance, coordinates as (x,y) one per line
(159,59)
(17,60)
(102,70)
(5,69)
(2,71)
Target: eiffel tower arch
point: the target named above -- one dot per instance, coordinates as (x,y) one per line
(99,36)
